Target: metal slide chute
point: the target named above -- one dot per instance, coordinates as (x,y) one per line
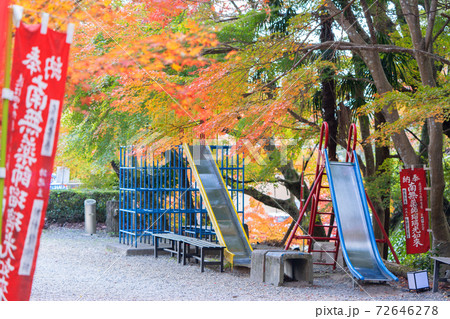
(350,214)
(354,223)
(352,217)
(221,210)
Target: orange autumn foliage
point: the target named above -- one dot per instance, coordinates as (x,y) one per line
(155,50)
(262,227)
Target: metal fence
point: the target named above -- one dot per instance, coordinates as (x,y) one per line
(161,195)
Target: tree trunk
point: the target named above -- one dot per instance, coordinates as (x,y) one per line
(364,126)
(329,88)
(383,210)
(439,225)
(424,144)
(446,127)
(116,168)
(410,9)
(373,62)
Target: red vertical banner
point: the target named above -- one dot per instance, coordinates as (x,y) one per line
(38,82)
(415,214)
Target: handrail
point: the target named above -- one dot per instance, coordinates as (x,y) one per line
(323,144)
(323,131)
(352,137)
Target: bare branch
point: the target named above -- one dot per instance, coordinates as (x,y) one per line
(225,48)
(236,7)
(373,34)
(284,204)
(443,27)
(344,22)
(226,20)
(430,24)
(301,119)
(280,76)
(357,79)
(339,45)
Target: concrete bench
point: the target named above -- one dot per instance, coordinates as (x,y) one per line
(275,266)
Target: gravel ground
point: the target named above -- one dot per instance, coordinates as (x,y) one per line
(73,265)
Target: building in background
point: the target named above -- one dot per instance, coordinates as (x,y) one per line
(61,180)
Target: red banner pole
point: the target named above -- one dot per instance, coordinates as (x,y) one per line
(5,105)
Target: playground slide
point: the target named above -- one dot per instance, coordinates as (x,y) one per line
(354,222)
(219,205)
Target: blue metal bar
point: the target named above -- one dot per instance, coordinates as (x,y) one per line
(242,191)
(158,196)
(120,191)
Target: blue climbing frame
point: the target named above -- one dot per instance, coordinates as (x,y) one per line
(161,196)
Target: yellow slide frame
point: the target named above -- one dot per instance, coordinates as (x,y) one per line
(228,254)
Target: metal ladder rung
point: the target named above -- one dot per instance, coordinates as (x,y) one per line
(300,237)
(316,238)
(325,226)
(325,213)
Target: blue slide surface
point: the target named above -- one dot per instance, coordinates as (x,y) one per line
(354,222)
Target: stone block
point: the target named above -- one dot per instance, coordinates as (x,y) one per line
(112,217)
(258,265)
(276,266)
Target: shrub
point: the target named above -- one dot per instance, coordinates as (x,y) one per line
(415,261)
(67,206)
